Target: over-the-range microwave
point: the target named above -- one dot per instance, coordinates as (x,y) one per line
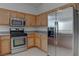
(17,22)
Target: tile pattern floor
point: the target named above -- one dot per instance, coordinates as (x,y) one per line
(30,52)
(51,49)
(59,51)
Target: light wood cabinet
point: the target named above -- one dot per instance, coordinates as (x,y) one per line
(17,14)
(41,41)
(42,20)
(34,40)
(37,40)
(44,43)
(38,20)
(30,20)
(30,40)
(4,17)
(4,45)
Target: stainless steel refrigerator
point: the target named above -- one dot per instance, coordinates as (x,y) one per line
(62,42)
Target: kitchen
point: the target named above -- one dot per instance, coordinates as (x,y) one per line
(25,31)
(20,32)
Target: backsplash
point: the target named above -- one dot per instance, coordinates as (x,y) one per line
(4,29)
(35,29)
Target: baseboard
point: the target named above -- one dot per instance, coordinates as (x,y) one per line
(30,47)
(5,54)
(41,49)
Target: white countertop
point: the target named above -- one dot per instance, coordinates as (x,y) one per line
(4,33)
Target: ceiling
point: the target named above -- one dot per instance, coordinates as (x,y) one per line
(32,8)
(34,4)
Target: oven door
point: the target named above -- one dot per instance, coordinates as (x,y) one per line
(17,42)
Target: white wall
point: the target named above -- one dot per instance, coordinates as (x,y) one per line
(35,29)
(51,20)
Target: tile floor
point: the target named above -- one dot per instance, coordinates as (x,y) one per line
(59,51)
(30,52)
(51,49)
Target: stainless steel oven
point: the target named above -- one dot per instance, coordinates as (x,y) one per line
(18,44)
(18,40)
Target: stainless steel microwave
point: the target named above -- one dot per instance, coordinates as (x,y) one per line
(17,22)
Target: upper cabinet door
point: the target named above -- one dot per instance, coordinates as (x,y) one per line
(38,20)
(17,14)
(4,17)
(30,20)
(41,20)
(44,19)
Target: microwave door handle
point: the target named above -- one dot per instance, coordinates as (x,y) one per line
(24,23)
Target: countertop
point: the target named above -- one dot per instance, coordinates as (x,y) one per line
(4,33)
(44,32)
(27,32)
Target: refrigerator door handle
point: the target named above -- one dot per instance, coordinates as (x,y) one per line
(56,32)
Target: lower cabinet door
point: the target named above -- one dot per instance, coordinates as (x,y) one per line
(30,42)
(5,46)
(44,44)
(37,42)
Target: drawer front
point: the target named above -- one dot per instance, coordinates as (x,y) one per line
(5,37)
(31,35)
